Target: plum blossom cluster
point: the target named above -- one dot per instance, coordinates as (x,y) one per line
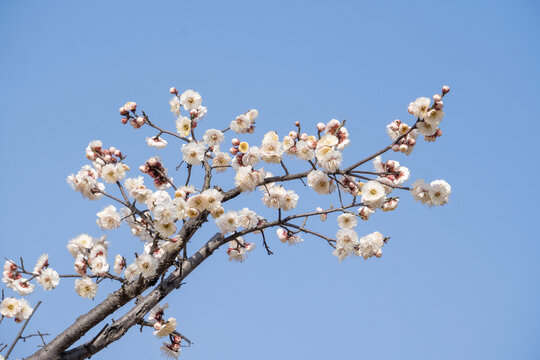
(157,213)
(18,309)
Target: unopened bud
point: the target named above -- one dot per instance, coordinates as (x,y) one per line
(411,142)
(321,127)
(293,135)
(123,111)
(173,90)
(438,105)
(438,132)
(124,121)
(395,147)
(403,148)
(445,89)
(297,123)
(251,129)
(304,136)
(233,150)
(235,142)
(107,158)
(140,121)
(437,97)
(152,161)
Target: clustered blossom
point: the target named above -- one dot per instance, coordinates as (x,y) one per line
(18,309)
(245,123)
(157,225)
(13,279)
(153,167)
(286,236)
(435,193)
(238,249)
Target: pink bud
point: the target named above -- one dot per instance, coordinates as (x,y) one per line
(251,129)
(193,124)
(177,339)
(395,147)
(157,326)
(321,127)
(312,144)
(123,111)
(293,135)
(124,121)
(235,142)
(143,168)
(118,153)
(445,89)
(112,149)
(439,105)
(410,110)
(173,90)
(437,97)
(175,347)
(303,136)
(140,121)
(233,150)
(438,132)
(152,161)
(411,142)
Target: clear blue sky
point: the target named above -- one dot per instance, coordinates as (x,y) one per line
(457,282)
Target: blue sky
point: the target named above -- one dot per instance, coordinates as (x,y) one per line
(460,281)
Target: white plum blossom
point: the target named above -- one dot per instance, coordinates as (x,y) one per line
(85,182)
(439,192)
(10,307)
(238,249)
(193,153)
(347,221)
(108,218)
(86,288)
(183,126)
(119,264)
(221,161)
(146,264)
(370,245)
(157,142)
(175,105)
(419,107)
(320,182)
(247,179)
(112,173)
(48,279)
(137,190)
(373,194)
(190,100)
(42,263)
(213,137)
(227,222)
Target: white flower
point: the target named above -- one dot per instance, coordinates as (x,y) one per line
(86,288)
(10,307)
(439,192)
(49,279)
(241,124)
(370,245)
(390,204)
(227,222)
(86,183)
(80,244)
(170,351)
(427,129)
(271,151)
(42,263)
(320,182)
(419,107)
(137,190)
(119,264)
(303,151)
(365,212)
(286,237)
(99,265)
(347,221)
(108,218)
(190,100)
(323,216)
(112,173)
(198,113)
(166,229)
(156,314)
(157,142)
(166,328)
(25,311)
(165,212)
(212,198)
(213,137)
(238,249)
(247,179)
(23,287)
(147,265)
(175,105)
(131,272)
(252,156)
(434,117)
(347,238)
(373,194)
(274,197)
(330,160)
(247,219)
(420,191)
(221,160)
(290,199)
(183,126)
(193,153)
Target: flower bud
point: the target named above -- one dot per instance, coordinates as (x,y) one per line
(157,326)
(118,153)
(107,158)
(235,142)
(123,111)
(176,347)
(304,136)
(437,97)
(297,123)
(293,135)
(176,339)
(140,121)
(124,121)
(173,90)
(445,89)
(233,150)
(152,161)
(321,127)
(130,106)
(251,129)
(411,142)
(438,105)
(395,147)
(403,148)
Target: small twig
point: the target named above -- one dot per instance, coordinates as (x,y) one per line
(265,244)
